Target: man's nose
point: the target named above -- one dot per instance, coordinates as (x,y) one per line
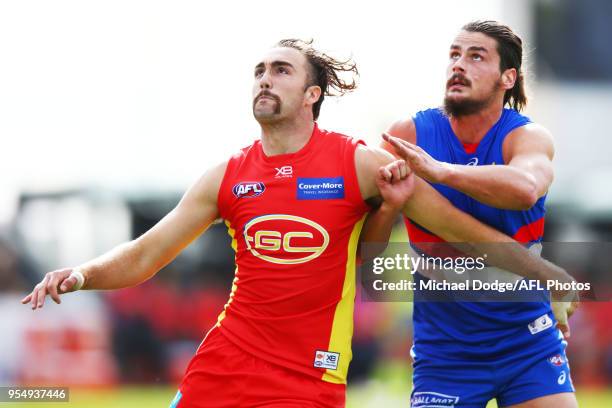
(458,65)
(265,80)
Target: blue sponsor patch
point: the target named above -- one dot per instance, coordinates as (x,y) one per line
(320,188)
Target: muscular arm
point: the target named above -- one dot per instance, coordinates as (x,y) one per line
(376,230)
(428,208)
(379,223)
(392,190)
(136,261)
(431,210)
(517,185)
(395,185)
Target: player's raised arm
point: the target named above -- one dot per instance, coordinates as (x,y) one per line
(431,210)
(428,208)
(136,261)
(517,185)
(394,184)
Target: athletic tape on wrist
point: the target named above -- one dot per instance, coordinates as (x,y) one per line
(76,273)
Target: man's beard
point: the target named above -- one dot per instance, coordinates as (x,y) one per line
(464,107)
(268,115)
(469,106)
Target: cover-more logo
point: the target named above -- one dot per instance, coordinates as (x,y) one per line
(285,239)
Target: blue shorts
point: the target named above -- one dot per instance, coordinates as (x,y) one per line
(471,384)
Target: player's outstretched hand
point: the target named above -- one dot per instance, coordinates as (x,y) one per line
(418,159)
(395,182)
(53,284)
(563,311)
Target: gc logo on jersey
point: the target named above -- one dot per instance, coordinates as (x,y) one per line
(248,189)
(285,239)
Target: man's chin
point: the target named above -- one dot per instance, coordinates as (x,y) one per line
(461,105)
(457,96)
(266,116)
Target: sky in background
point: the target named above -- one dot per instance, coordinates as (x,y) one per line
(148,94)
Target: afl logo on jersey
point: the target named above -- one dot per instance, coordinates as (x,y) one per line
(557,360)
(285,239)
(248,189)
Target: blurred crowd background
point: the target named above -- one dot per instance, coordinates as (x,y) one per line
(147,334)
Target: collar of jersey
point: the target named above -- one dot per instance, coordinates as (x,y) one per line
(284,158)
(483,142)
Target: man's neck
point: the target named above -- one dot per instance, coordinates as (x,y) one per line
(472,128)
(285,137)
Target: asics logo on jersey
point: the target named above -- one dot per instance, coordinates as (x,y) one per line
(285,171)
(285,239)
(562,378)
(473,161)
(248,189)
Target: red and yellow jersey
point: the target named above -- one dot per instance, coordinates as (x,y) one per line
(295,221)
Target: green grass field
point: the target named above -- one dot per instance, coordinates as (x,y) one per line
(376,394)
(389,388)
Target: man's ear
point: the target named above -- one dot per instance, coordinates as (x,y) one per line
(312,94)
(508,78)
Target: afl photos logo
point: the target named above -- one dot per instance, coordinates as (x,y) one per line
(285,239)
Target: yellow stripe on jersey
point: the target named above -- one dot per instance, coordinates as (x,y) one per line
(342,327)
(232,233)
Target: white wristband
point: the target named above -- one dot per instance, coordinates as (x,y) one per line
(76,273)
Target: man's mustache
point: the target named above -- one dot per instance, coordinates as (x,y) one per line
(267,94)
(458,78)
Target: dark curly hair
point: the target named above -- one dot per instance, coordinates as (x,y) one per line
(324,71)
